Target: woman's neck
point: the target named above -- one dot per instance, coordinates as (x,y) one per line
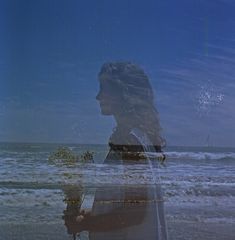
(124,121)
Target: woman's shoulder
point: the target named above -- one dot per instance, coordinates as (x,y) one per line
(132,140)
(129,144)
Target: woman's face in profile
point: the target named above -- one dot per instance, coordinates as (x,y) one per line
(109,96)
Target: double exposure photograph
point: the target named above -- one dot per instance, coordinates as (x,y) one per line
(117,120)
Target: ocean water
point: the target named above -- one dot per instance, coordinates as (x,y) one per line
(198,184)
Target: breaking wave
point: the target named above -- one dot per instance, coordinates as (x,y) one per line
(201,155)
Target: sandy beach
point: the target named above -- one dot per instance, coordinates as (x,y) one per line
(179,230)
(185,221)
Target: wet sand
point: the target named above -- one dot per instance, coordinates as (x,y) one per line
(183,223)
(179,230)
(194,218)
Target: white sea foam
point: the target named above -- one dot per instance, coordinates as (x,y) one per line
(200,155)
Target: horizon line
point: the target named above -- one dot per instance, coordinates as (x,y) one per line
(73,143)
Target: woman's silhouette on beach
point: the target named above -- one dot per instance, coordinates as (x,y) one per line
(127,212)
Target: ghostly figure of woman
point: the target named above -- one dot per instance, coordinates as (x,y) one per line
(128,212)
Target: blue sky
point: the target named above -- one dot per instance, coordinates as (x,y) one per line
(52,50)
